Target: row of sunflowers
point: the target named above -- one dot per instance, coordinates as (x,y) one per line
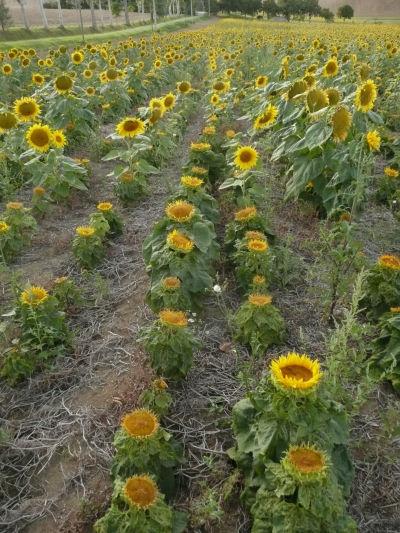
(315,106)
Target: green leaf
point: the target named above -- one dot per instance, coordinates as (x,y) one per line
(304,170)
(202,236)
(317,134)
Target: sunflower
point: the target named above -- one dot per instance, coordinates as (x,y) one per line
(90,91)
(259,280)
(200,147)
(104,206)
(85,231)
(305,463)
(77,57)
(295,372)
(191,182)
(179,242)
(184,87)
(34,296)
(373,140)
(140,492)
(8,121)
(333,96)
(331,68)
(140,424)
(267,118)
(261,82)
(87,73)
(245,214)
(169,101)
(180,211)
(157,103)
(201,171)
(171,283)
(389,172)
(255,235)
(59,140)
(26,109)
(297,88)
(221,86)
(39,191)
(365,96)
(160,384)
(341,124)
(175,319)
(15,206)
(317,100)
(39,137)
(37,79)
(395,310)
(246,157)
(259,300)
(209,130)
(130,127)
(389,261)
(258,246)
(63,84)
(7,69)
(214,99)
(4,227)
(229,134)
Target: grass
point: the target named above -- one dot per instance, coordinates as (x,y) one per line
(68,38)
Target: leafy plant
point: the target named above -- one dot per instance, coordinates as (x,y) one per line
(385,360)
(88,246)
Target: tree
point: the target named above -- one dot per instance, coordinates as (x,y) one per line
(310,8)
(23,12)
(60,13)
(93,14)
(5,17)
(270,8)
(345,12)
(43,15)
(327,14)
(250,7)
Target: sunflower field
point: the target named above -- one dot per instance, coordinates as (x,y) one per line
(200,282)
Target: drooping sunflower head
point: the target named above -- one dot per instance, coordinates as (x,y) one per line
(140,492)
(140,424)
(317,100)
(209,130)
(245,214)
(191,182)
(179,242)
(8,121)
(26,109)
(373,140)
(85,231)
(229,134)
(169,101)
(171,283)
(63,84)
(39,137)
(259,300)
(59,139)
(127,177)
(389,261)
(246,157)
(365,96)
(295,372)
(34,296)
(305,463)
(160,384)
(364,71)
(333,96)
(130,127)
(267,118)
(180,211)
(157,103)
(331,68)
(341,124)
(104,206)
(391,172)
(297,88)
(184,87)
(258,246)
(175,319)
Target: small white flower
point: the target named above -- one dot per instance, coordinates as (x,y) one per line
(190,320)
(395,201)
(194,314)
(217,289)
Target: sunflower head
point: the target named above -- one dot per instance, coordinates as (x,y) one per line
(169,101)
(246,157)
(245,214)
(26,109)
(259,280)
(160,384)
(258,246)
(58,139)
(191,182)
(267,118)
(341,124)
(140,424)
(200,147)
(259,300)
(174,319)
(296,373)
(104,206)
(4,227)
(8,121)
(261,81)
(179,242)
(373,140)
(37,79)
(365,96)
(63,84)
(331,68)
(171,283)
(391,262)
(180,211)
(255,235)
(184,87)
(127,177)
(391,172)
(305,463)
(34,296)
(199,171)
(130,127)
(14,206)
(140,492)
(39,137)
(229,134)
(333,96)
(297,88)
(77,57)
(85,231)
